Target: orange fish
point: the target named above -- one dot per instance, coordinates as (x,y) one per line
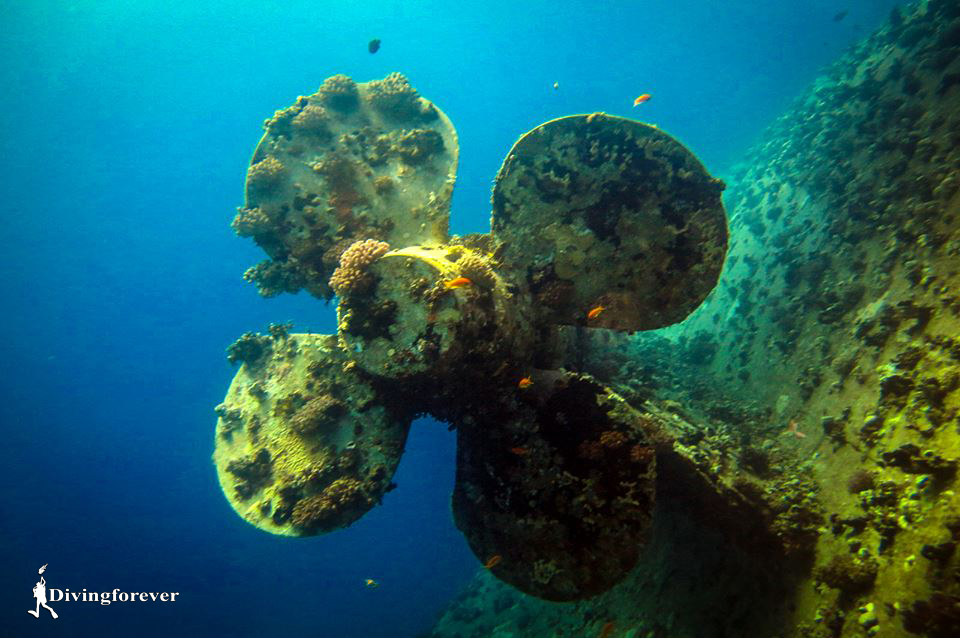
(492,562)
(792,429)
(459,282)
(606,630)
(525,383)
(593,314)
(519,451)
(641,99)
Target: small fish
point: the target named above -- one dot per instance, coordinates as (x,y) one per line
(556,85)
(459,282)
(606,630)
(373,46)
(792,429)
(371,583)
(641,99)
(593,314)
(493,561)
(519,451)
(840,15)
(525,383)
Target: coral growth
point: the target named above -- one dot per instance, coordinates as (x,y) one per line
(613,439)
(350,275)
(383,185)
(280,330)
(337,168)
(317,414)
(370,319)
(252,472)
(281,118)
(274,277)
(251,222)
(860,481)
(249,349)
(799,514)
(265,175)
(395,96)
(339,92)
(938,617)
(230,419)
(312,119)
(590,450)
(341,176)
(848,574)
(478,270)
(416,146)
(341,502)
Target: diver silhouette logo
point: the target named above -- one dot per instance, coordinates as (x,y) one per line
(40,593)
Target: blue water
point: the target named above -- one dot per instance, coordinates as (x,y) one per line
(127,129)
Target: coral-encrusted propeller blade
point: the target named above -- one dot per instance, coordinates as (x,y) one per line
(353,161)
(612,223)
(555,487)
(304,443)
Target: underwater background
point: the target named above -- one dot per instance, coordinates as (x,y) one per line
(129,128)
